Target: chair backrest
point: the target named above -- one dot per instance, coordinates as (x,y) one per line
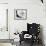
(33,28)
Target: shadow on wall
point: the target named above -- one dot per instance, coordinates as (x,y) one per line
(41,34)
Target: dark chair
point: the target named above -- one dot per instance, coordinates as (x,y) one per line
(32,29)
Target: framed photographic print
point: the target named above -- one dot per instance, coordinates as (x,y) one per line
(20,14)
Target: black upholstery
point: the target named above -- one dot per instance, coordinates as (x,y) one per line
(32,29)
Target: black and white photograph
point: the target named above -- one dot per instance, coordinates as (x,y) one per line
(22,22)
(20,14)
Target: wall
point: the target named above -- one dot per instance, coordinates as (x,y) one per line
(35,13)
(4,34)
(3,21)
(3,1)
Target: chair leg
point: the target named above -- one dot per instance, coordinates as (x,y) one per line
(32,42)
(20,42)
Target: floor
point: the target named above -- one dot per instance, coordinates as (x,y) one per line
(22,44)
(5,44)
(26,44)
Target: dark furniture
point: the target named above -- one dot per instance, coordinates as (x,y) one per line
(33,30)
(42,1)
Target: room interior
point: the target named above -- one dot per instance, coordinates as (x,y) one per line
(32,11)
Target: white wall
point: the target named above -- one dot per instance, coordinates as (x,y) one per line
(3,22)
(3,1)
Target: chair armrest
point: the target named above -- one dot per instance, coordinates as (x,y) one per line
(22,35)
(24,32)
